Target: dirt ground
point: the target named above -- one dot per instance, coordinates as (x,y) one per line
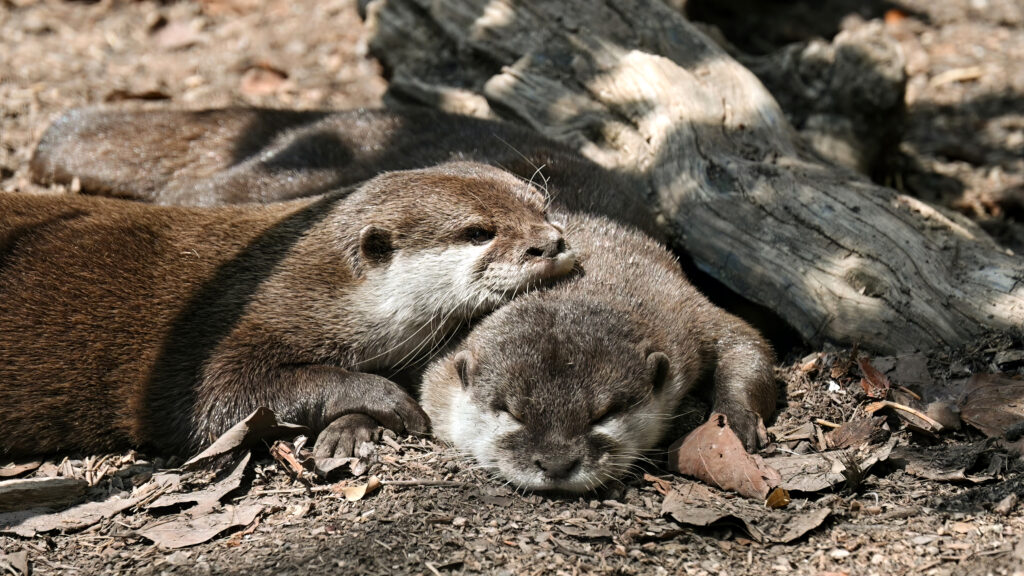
(963,148)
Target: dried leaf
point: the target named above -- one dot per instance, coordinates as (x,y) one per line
(789,526)
(16,563)
(874,383)
(25,493)
(660,484)
(779,498)
(713,454)
(993,404)
(261,425)
(858,433)
(27,523)
(358,492)
(14,469)
(817,472)
(190,528)
(209,497)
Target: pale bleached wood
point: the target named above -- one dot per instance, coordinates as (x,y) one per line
(637,88)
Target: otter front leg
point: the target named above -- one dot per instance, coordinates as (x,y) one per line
(744,388)
(345,407)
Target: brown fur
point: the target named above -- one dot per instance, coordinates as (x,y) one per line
(238,155)
(628,336)
(125,324)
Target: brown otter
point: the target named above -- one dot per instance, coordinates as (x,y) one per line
(125,324)
(239,155)
(563,389)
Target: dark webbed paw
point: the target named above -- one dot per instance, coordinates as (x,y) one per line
(342,438)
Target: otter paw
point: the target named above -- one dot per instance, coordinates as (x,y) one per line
(342,438)
(399,412)
(749,428)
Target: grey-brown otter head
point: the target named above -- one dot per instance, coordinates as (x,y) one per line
(562,396)
(439,246)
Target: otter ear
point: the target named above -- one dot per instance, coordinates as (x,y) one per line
(657,367)
(375,244)
(465,367)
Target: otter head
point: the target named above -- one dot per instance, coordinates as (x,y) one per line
(561,396)
(463,232)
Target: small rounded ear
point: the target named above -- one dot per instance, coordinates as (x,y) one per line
(465,367)
(657,367)
(375,244)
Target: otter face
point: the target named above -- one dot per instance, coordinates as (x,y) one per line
(446,244)
(560,398)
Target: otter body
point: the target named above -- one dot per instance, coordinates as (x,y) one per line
(125,324)
(564,388)
(241,155)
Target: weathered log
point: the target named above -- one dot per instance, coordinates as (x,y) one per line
(637,88)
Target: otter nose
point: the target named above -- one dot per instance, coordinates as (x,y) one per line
(553,246)
(557,467)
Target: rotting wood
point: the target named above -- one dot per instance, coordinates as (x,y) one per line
(637,88)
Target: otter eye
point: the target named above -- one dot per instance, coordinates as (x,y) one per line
(605,415)
(478,235)
(504,408)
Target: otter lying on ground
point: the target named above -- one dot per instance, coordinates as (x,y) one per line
(561,359)
(132,325)
(565,388)
(240,155)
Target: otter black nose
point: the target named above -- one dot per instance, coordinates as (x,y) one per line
(549,249)
(557,467)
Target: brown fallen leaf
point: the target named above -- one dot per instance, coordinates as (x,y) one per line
(23,493)
(189,528)
(789,526)
(874,383)
(15,469)
(713,454)
(993,404)
(15,563)
(825,470)
(953,463)
(208,497)
(858,433)
(359,491)
(261,425)
(660,484)
(28,523)
(779,498)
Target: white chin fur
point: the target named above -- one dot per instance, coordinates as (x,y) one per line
(420,296)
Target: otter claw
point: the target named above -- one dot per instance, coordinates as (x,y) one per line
(342,438)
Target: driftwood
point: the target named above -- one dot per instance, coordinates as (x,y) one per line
(637,88)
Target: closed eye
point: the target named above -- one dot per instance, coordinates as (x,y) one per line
(504,408)
(478,235)
(605,415)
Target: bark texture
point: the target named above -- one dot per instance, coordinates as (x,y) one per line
(637,88)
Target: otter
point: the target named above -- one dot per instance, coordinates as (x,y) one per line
(243,155)
(564,389)
(127,324)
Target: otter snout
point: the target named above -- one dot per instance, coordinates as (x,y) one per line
(557,466)
(548,248)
